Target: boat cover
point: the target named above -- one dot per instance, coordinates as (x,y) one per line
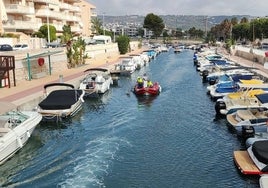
(238,77)
(263,98)
(60,99)
(260,150)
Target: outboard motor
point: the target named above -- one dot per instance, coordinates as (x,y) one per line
(247,132)
(212,81)
(197,66)
(204,75)
(219,106)
(195,62)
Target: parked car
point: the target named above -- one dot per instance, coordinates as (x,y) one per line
(5,47)
(53,45)
(20,47)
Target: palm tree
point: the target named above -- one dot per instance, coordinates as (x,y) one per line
(96,26)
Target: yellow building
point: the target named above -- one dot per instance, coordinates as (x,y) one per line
(27,16)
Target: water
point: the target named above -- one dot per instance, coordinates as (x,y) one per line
(119,140)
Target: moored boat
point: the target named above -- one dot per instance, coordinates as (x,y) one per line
(63,102)
(96,80)
(16,127)
(254,160)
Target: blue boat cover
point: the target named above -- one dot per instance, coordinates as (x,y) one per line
(263,98)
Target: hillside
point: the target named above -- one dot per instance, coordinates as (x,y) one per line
(184,22)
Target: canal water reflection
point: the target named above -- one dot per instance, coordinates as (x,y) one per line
(119,140)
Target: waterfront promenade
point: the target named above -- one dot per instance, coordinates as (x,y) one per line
(26,91)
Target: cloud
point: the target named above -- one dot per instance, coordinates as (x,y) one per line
(181,7)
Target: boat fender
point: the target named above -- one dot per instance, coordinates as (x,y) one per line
(28,133)
(19,142)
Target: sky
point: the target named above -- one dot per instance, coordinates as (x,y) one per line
(181,7)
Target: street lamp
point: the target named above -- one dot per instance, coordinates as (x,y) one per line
(103,23)
(48,31)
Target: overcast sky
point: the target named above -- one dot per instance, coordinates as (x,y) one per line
(181,7)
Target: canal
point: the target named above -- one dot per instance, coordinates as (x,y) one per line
(119,140)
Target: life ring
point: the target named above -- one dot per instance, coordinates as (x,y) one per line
(41,61)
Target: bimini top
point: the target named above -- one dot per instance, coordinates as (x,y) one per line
(263,98)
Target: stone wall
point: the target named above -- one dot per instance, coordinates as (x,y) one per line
(58,60)
(248,53)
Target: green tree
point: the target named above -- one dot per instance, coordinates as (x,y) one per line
(241,31)
(123,44)
(195,33)
(52,32)
(154,23)
(244,20)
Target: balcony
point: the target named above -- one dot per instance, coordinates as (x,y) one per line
(94,14)
(55,2)
(22,25)
(19,9)
(75,9)
(48,13)
(76,29)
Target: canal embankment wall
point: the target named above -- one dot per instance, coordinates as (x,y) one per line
(249,53)
(28,68)
(29,92)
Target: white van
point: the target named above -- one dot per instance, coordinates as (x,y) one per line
(102,39)
(20,47)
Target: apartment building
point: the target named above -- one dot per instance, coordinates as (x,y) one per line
(27,16)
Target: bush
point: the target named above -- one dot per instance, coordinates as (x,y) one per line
(123,44)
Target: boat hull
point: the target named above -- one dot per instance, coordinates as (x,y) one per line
(154,90)
(13,138)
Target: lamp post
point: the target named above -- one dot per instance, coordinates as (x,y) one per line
(103,23)
(253,32)
(48,31)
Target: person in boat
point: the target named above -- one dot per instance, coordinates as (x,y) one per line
(145,77)
(145,80)
(150,83)
(140,82)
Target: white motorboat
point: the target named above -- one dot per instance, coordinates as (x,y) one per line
(16,128)
(62,102)
(254,160)
(137,58)
(252,98)
(255,117)
(128,64)
(263,181)
(96,80)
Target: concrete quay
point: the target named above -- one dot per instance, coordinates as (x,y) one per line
(27,94)
(248,61)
